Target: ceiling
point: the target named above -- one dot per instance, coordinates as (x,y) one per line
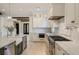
(21,9)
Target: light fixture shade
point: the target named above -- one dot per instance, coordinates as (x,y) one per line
(9,17)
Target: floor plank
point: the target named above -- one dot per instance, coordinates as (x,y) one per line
(35,48)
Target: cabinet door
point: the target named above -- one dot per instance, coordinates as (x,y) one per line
(24,42)
(58,50)
(19,48)
(51,49)
(77,12)
(69,13)
(1,51)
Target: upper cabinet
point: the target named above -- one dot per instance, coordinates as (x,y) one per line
(58,9)
(72,14)
(69,13)
(77,11)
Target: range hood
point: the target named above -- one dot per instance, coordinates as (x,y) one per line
(23,19)
(55,17)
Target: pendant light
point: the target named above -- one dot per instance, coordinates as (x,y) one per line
(9,17)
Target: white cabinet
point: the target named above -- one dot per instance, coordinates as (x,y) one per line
(24,42)
(72,14)
(77,12)
(58,9)
(59,50)
(69,13)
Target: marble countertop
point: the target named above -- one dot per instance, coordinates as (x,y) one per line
(70,47)
(6,41)
(18,38)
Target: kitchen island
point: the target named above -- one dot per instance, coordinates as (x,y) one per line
(6,41)
(13,45)
(7,46)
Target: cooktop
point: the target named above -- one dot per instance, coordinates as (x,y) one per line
(59,38)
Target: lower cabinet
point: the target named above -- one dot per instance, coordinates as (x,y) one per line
(24,42)
(59,50)
(1,51)
(19,48)
(51,49)
(10,49)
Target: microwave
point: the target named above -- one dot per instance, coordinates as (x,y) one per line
(41,35)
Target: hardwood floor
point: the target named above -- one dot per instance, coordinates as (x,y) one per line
(36,48)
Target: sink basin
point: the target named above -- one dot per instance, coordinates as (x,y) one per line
(59,38)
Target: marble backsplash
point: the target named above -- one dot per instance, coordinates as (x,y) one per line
(72,34)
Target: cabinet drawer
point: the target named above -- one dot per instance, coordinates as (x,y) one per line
(1,51)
